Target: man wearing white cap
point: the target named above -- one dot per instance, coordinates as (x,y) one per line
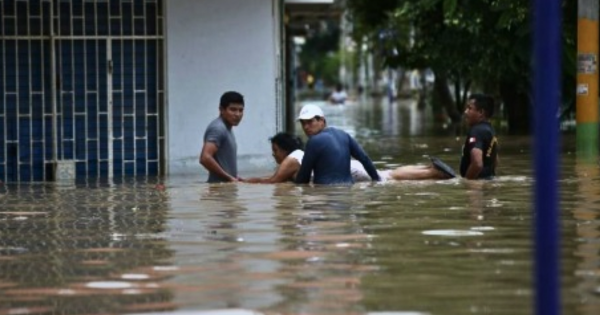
(328,151)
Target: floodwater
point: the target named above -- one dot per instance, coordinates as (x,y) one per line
(181,246)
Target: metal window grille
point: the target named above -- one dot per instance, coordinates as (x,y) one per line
(81,81)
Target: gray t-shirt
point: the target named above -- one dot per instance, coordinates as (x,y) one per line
(226,156)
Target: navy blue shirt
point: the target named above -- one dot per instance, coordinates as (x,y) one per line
(327,157)
(483,137)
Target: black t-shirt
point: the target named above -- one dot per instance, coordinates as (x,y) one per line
(481,136)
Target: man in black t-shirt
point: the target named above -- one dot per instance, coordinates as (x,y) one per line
(480,151)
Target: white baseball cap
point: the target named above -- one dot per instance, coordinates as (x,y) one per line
(310,111)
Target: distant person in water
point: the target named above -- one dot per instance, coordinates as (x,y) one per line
(339,95)
(288,154)
(480,150)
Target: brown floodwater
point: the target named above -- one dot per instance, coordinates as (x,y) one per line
(180,246)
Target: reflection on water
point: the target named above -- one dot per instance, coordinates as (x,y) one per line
(185,247)
(82,250)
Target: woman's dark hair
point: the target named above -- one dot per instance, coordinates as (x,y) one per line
(484,102)
(287,142)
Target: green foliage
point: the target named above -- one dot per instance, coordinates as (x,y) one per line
(485,41)
(319,55)
(329,69)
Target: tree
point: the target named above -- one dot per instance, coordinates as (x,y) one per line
(483,45)
(319,54)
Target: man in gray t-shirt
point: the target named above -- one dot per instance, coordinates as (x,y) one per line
(219,152)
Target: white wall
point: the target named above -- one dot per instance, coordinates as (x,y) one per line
(214,46)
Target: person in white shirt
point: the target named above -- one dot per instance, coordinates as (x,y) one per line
(288,151)
(436,170)
(339,96)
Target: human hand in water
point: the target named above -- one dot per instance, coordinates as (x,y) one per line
(252,180)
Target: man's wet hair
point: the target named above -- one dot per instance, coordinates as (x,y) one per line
(287,142)
(231,97)
(483,102)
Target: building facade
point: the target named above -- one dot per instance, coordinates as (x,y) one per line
(109,89)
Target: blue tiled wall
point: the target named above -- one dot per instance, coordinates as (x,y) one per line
(26,124)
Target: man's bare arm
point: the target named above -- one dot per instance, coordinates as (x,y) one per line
(476,165)
(285,172)
(207,160)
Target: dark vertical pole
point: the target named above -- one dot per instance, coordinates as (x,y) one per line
(547,72)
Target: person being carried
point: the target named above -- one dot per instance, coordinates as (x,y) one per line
(288,154)
(219,152)
(287,150)
(328,151)
(480,150)
(436,170)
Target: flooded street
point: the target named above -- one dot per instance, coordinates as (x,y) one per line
(179,245)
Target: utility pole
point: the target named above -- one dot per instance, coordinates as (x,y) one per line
(587,79)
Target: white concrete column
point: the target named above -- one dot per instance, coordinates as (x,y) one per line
(212,47)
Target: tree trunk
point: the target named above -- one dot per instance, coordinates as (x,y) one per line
(443,96)
(517,107)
